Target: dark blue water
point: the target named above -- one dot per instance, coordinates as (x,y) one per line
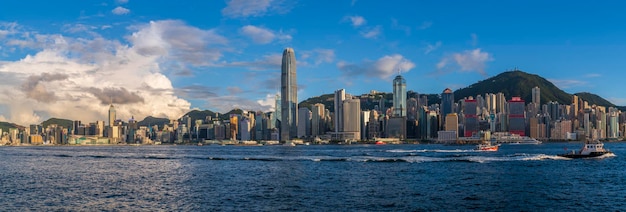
(309,178)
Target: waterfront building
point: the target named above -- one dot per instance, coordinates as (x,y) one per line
(289,96)
(352,118)
(470,117)
(340,96)
(517,118)
(304,122)
(452,122)
(318,120)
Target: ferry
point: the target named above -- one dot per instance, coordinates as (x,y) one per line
(516,139)
(487,147)
(589,150)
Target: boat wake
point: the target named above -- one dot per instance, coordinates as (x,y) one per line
(431,150)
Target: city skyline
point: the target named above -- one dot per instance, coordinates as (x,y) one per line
(72,59)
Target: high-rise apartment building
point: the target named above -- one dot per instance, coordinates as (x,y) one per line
(536,95)
(289,95)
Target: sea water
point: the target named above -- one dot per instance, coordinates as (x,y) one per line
(310,178)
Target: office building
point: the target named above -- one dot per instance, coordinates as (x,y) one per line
(289,95)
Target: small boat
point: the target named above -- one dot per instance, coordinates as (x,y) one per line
(380,143)
(589,150)
(487,147)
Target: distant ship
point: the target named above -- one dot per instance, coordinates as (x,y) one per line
(589,150)
(516,139)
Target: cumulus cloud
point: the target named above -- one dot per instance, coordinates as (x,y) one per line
(468,61)
(120,11)
(246,8)
(224,104)
(372,32)
(178,41)
(382,68)
(77,77)
(262,35)
(355,20)
(115,95)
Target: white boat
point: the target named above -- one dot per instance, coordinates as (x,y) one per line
(590,149)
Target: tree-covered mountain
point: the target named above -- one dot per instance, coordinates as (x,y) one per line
(6,125)
(151,121)
(516,83)
(59,122)
(510,83)
(594,99)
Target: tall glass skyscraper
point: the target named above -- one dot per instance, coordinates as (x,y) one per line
(399,97)
(447,102)
(289,96)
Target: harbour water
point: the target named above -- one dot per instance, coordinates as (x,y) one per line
(309,178)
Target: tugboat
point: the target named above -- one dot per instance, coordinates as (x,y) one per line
(590,149)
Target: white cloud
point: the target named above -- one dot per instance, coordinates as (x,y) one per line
(355,20)
(177,41)
(383,68)
(262,35)
(372,32)
(256,8)
(617,101)
(468,61)
(75,78)
(318,56)
(122,1)
(592,75)
(120,11)
(224,104)
(430,47)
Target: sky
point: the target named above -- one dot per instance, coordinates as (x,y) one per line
(163,58)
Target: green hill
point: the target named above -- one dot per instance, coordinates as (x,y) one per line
(59,122)
(516,83)
(6,125)
(151,121)
(594,99)
(511,83)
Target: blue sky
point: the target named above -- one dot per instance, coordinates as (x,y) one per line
(71,59)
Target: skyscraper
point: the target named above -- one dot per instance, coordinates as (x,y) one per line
(471,117)
(517,119)
(536,92)
(340,95)
(318,119)
(289,95)
(111,115)
(447,102)
(399,97)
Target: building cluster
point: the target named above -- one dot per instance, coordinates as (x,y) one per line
(408,116)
